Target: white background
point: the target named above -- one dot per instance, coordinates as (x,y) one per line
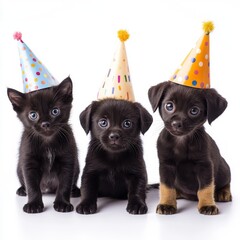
(79,38)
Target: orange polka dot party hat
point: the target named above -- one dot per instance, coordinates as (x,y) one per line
(35,75)
(195,69)
(117,83)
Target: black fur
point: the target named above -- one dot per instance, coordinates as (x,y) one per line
(114,164)
(189,158)
(48,160)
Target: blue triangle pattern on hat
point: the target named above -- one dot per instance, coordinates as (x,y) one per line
(34,74)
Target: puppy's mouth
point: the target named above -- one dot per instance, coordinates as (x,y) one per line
(177,131)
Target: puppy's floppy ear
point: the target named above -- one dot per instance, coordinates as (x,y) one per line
(86,116)
(216,104)
(17,99)
(145,118)
(155,94)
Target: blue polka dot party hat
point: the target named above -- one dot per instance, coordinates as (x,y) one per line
(195,69)
(34,74)
(117,83)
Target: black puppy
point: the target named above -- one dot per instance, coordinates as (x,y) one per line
(114,164)
(191,166)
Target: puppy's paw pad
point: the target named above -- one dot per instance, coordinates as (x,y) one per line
(86,208)
(137,208)
(166,209)
(75,192)
(34,207)
(63,206)
(209,210)
(21,191)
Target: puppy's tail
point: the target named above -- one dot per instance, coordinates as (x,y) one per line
(153,186)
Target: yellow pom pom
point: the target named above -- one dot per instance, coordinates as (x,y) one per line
(208,27)
(123,35)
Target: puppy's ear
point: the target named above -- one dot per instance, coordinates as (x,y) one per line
(17,99)
(216,104)
(155,94)
(85,117)
(145,118)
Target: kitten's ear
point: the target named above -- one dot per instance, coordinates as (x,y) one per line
(145,118)
(16,98)
(216,104)
(86,116)
(64,89)
(155,94)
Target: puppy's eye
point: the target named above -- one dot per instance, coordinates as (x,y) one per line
(194,111)
(33,116)
(103,123)
(169,106)
(55,112)
(126,124)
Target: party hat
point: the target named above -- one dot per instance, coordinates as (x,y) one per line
(34,74)
(117,83)
(195,69)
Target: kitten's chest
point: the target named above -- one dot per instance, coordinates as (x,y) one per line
(49,159)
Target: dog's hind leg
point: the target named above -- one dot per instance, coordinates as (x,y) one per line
(223,194)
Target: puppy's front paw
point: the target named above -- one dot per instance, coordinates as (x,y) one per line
(86,208)
(33,207)
(209,210)
(165,209)
(60,206)
(137,208)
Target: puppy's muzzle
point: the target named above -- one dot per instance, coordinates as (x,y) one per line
(177,125)
(114,137)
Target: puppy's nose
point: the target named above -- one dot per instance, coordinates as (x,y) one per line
(176,125)
(45,125)
(114,136)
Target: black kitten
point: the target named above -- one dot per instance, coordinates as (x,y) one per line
(114,164)
(48,160)
(191,165)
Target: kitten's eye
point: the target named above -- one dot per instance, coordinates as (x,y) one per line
(55,112)
(194,111)
(127,124)
(169,106)
(103,123)
(33,116)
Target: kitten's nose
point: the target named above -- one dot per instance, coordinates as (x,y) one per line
(45,125)
(114,136)
(176,125)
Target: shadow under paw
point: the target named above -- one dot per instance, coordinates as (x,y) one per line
(166,209)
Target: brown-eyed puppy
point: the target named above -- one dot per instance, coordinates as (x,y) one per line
(191,166)
(114,163)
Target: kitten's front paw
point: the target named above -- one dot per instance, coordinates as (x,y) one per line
(209,210)
(137,208)
(21,191)
(60,206)
(33,207)
(86,208)
(165,209)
